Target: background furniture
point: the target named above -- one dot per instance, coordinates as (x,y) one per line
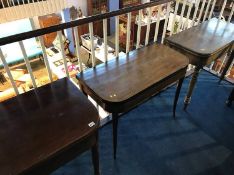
(129,80)
(95,7)
(12,52)
(126,3)
(203,44)
(57,64)
(57,123)
(47,21)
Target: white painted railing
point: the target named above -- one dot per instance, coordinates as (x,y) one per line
(172,18)
(12,10)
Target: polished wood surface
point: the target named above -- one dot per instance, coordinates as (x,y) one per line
(120,81)
(125,82)
(205,39)
(203,44)
(44,128)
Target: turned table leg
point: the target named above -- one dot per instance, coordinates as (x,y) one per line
(179,85)
(95,156)
(115,131)
(191,86)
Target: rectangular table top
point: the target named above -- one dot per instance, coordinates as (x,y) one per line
(125,77)
(205,39)
(41,124)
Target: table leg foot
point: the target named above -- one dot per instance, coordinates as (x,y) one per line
(115,132)
(191,87)
(177,95)
(186,102)
(95,157)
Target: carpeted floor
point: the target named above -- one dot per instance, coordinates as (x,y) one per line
(199,142)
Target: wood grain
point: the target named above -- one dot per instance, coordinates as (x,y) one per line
(44,128)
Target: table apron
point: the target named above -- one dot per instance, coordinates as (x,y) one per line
(124,106)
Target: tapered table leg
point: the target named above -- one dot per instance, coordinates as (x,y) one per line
(229,62)
(95,157)
(191,87)
(179,85)
(230,98)
(115,132)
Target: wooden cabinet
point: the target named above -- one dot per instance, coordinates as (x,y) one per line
(125,3)
(46,21)
(95,7)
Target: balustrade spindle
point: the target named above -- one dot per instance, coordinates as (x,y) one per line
(223,7)
(211,65)
(174,17)
(148,26)
(188,15)
(231,13)
(195,12)
(166,21)
(34,6)
(50,8)
(212,9)
(45,58)
(45,9)
(92,44)
(157,25)
(13,8)
(12,12)
(7,69)
(181,16)
(128,32)
(59,33)
(22,13)
(105,39)
(27,63)
(30,12)
(77,42)
(201,11)
(139,29)
(224,59)
(3,10)
(207,9)
(117,36)
(230,68)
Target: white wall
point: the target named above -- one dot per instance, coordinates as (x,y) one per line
(144,1)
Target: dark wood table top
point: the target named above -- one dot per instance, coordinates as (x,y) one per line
(39,124)
(122,79)
(205,39)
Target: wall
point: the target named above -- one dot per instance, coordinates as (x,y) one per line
(113,5)
(144,1)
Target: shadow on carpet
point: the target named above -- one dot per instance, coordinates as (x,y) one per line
(150,142)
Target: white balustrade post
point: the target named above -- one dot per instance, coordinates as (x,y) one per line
(7,69)
(105,39)
(148,26)
(166,21)
(128,32)
(92,44)
(77,42)
(117,36)
(139,29)
(27,63)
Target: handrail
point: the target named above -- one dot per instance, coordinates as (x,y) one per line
(55,28)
